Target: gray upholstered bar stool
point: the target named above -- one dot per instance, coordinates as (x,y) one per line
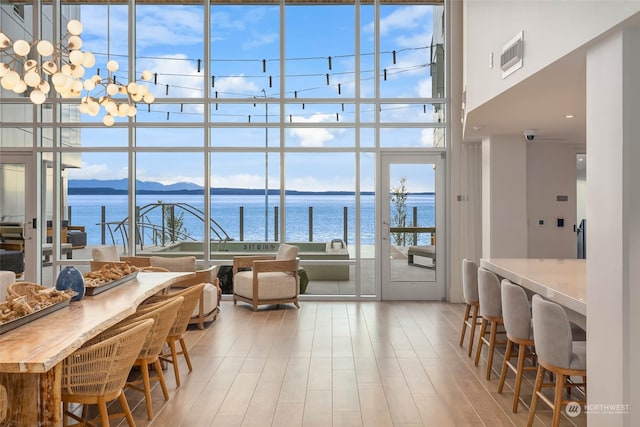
(472,302)
(516,314)
(491,312)
(558,354)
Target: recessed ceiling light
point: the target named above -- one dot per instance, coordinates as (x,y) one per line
(569,116)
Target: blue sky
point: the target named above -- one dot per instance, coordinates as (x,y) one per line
(169,40)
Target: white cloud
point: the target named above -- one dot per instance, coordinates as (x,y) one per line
(97,171)
(314,137)
(238,181)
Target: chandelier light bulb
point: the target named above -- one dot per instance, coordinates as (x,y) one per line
(32,79)
(112,89)
(21,48)
(136,97)
(50,67)
(113,65)
(76,57)
(44,87)
(74,27)
(10,80)
(142,90)
(4,69)
(111,107)
(146,75)
(88,60)
(30,65)
(45,48)
(123,110)
(94,108)
(148,98)
(77,71)
(20,87)
(4,41)
(66,69)
(83,108)
(74,42)
(37,97)
(132,88)
(89,85)
(59,79)
(108,120)
(77,86)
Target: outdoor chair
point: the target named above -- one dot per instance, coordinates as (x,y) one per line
(270,280)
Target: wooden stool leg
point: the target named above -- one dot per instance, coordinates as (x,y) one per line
(534,398)
(483,331)
(492,346)
(474,320)
(467,310)
(126,409)
(185,353)
(505,367)
(522,355)
(557,401)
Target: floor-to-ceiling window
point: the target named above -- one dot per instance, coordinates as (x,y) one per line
(266,124)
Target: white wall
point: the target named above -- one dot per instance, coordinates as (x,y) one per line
(504,197)
(613,235)
(551,30)
(551,171)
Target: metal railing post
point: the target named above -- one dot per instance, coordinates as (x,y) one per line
(311,223)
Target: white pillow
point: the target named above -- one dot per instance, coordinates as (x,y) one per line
(183,263)
(287,252)
(105,254)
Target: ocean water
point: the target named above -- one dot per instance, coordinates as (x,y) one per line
(327,219)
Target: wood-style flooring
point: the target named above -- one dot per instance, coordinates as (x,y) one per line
(336,364)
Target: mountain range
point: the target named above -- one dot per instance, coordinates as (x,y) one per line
(120,186)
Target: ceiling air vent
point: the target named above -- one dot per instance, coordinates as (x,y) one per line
(512,53)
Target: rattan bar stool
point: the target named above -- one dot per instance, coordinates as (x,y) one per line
(491,312)
(557,354)
(517,322)
(472,302)
(96,373)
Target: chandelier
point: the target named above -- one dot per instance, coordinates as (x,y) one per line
(64,65)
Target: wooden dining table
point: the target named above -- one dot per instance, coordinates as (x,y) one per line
(563,281)
(31,355)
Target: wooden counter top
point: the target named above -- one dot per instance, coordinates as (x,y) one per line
(38,346)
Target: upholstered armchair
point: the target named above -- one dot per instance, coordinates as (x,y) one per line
(260,280)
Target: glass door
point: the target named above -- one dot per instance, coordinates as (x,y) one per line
(412,226)
(17,237)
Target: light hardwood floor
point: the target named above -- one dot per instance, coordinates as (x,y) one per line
(336,364)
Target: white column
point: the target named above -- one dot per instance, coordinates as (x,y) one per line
(613,229)
(504,197)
